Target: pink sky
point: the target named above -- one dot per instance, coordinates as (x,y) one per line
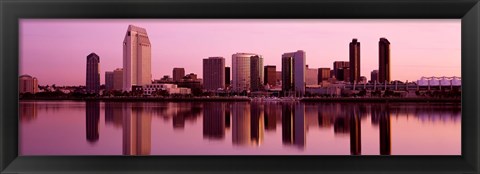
(55,50)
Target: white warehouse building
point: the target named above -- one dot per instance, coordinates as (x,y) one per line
(149,89)
(440,81)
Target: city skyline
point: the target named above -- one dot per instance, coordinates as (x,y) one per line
(425,55)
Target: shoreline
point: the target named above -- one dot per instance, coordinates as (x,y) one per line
(385,100)
(245,99)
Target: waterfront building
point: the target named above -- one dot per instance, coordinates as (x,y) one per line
(118,79)
(336,66)
(278,78)
(354,61)
(323,74)
(311,76)
(172,89)
(137,57)
(214,73)
(293,72)
(178,74)
(27,84)
(93,73)
(256,73)
(242,71)
(227,76)
(270,75)
(384,60)
(108,80)
(374,76)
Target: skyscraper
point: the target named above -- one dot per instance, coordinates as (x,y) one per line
(178,74)
(384,60)
(214,73)
(336,66)
(374,76)
(136,58)
(270,75)
(241,71)
(27,84)
(287,73)
(354,61)
(293,72)
(108,80)
(311,76)
(323,74)
(256,73)
(93,73)
(227,76)
(118,79)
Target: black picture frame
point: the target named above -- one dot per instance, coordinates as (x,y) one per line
(466,10)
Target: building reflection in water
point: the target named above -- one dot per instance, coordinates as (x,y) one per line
(257,123)
(355,132)
(113,114)
(293,125)
(270,116)
(241,130)
(227,115)
(213,120)
(27,111)
(385,133)
(92,114)
(136,129)
(180,113)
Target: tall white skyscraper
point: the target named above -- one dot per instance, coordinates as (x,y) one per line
(137,55)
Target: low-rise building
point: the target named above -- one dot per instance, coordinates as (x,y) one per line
(150,89)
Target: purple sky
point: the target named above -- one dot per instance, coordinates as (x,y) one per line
(55,50)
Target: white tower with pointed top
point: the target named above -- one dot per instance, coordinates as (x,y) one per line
(137,55)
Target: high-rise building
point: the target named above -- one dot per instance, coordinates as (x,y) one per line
(287,74)
(214,73)
(270,75)
(93,73)
(118,79)
(374,76)
(178,74)
(337,65)
(323,74)
(346,74)
(256,73)
(27,84)
(384,60)
(278,78)
(241,71)
(108,80)
(293,72)
(137,55)
(354,61)
(227,76)
(311,76)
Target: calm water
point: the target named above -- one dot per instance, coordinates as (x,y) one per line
(240,128)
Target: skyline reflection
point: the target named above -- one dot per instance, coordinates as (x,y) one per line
(253,124)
